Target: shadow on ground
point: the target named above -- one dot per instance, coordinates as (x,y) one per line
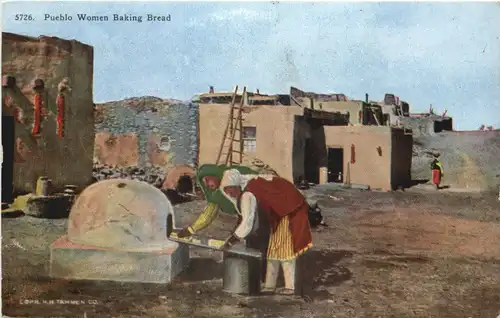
(418,181)
(391,260)
(202,269)
(175,197)
(326,273)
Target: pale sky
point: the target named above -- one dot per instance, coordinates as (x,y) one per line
(443,54)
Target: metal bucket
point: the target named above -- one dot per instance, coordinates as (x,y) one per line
(242,274)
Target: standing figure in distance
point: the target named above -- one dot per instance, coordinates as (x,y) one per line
(437,171)
(286,211)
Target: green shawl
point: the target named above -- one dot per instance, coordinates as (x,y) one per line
(216,196)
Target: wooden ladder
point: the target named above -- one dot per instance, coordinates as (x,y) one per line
(231,148)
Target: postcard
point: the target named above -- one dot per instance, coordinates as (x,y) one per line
(250,159)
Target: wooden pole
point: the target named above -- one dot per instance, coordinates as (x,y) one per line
(227,125)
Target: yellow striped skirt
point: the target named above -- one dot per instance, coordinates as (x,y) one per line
(281,245)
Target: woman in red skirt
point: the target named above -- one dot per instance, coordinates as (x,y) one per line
(437,171)
(287,212)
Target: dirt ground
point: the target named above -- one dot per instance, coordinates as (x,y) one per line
(416,253)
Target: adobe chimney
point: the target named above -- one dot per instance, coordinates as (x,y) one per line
(211,90)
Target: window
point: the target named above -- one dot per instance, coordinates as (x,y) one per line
(249,139)
(165,144)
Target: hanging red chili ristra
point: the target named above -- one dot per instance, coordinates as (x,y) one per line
(60,115)
(353,154)
(37,115)
(7,101)
(18,115)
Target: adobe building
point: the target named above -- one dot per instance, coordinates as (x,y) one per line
(301,143)
(427,123)
(47,112)
(378,156)
(274,134)
(393,109)
(360,112)
(146,131)
(155,135)
(397,112)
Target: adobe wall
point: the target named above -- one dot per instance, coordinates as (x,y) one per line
(352,107)
(66,160)
(146,132)
(370,167)
(420,126)
(275,134)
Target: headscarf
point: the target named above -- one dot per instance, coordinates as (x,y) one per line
(208,170)
(233,177)
(216,196)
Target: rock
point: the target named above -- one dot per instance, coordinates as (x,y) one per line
(54,206)
(106,171)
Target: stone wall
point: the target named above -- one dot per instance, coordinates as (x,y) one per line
(146,132)
(67,159)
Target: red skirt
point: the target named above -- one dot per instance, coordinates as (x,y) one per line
(436,176)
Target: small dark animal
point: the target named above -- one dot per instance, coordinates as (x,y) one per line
(315,216)
(303,185)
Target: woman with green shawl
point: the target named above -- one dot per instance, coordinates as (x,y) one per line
(208,178)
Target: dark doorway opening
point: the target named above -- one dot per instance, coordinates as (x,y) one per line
(387,120)
(443,125)
(8,144)
(185,185)
(311,170)
(438,127)
(336,165)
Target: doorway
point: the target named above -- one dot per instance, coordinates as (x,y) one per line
(335,165)
(185,185)
(8,144)
(311,170)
